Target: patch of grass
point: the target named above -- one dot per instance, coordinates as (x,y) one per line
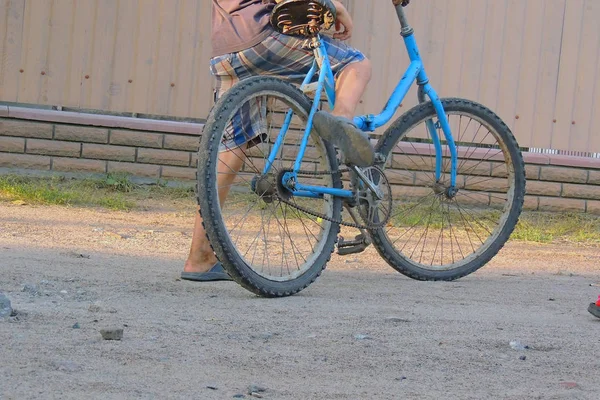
(549,227)
(539,227)
(118,192)
(171,192)
(115,182)
(58,190)
(113,191)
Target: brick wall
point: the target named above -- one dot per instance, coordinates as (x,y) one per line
(562,183)
(554,183)
(72,148)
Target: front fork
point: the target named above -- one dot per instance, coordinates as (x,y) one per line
(427,91)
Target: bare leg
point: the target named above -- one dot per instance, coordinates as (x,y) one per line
(338,127)
(201,257)
(350,87)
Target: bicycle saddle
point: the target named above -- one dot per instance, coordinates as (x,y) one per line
(303,18)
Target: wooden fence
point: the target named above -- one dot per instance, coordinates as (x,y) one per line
(140,56)
(535,62)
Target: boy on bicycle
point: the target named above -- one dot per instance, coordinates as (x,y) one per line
(245,45)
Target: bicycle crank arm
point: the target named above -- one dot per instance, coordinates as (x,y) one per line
(360,242)
(367,182)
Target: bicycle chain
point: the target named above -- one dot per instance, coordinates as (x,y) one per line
(323,216)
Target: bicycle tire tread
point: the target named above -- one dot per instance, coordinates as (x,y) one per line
(396,130)
(208,208)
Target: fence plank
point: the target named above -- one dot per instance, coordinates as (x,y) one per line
(11,56)
(474,42)
(121,90)
(548,72)
(569,58)
(528,75)
(36,31)
(201,80)
(435,59)
(453,47)
(492,53)
(184,69)
(59,48)
(162,71)
(510,63)
(593,136)
(82,36)
(4,5)
(146,45)
(96,88)
(586,80)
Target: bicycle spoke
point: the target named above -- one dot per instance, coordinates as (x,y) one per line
(455,238)
(426,232)
(411,228)
(440,237)
(466,229)
(283,252)
(442,230)
(477,222)
(252,244)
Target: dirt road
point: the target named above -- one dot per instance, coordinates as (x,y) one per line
(362,331)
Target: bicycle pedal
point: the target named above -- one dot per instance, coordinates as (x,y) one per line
(348,247)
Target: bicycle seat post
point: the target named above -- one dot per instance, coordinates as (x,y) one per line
(407,30)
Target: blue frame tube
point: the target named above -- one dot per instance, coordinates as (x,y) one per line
(322,59)
(372,122)
(323,190)
(286,123)
(415,72)
(439,108)
(438,148)
(311,73)
(279,141)
(309,195)
(414,55)
(313,111)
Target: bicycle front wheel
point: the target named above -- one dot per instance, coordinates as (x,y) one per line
(259,230)
(434,233)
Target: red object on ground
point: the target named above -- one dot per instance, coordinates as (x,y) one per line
(598,302)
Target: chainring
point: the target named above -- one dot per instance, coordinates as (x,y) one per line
(371,209)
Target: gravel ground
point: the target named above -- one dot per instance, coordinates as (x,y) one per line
(362,331)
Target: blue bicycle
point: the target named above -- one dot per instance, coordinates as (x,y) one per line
(442,199)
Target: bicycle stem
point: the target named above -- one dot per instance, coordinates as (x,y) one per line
(406,28)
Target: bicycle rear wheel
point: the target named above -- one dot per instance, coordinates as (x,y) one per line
(264,241)
(434,234)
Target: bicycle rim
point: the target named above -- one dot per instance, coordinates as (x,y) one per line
(433,234)
(268,244)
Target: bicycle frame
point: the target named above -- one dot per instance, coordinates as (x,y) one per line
(368,123)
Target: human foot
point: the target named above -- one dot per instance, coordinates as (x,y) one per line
(215,273)
(199,264)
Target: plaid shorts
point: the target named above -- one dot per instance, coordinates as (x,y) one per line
(280,56)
